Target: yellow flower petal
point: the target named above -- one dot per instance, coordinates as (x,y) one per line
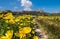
(35,37)
(26,30)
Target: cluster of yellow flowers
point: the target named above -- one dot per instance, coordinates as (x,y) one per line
(55,19)
(18,26)
(8,35)
(9,18)
(22,32)
(49,17)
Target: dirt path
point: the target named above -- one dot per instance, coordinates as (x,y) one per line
(41,29)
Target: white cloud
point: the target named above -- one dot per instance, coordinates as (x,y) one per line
(26,4)
(27,9)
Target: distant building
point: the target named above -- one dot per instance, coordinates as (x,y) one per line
(39,10)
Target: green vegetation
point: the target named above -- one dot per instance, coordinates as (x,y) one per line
(12,22)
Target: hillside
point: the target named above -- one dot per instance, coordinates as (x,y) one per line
(31,13)
(29,25)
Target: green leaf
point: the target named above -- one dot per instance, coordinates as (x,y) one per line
(1,31)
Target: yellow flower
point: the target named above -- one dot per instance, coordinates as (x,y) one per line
(26,30)
(21,24)
(21,17)
(6,21)
(1,15)
(28,21)
(16,20)
(3,37)
(35,37)
(17,34)
(9,34)
(11,21)
(28,16)
(21,34)
(8,16)
(33,32)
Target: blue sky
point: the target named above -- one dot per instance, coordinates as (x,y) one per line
(46,5)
